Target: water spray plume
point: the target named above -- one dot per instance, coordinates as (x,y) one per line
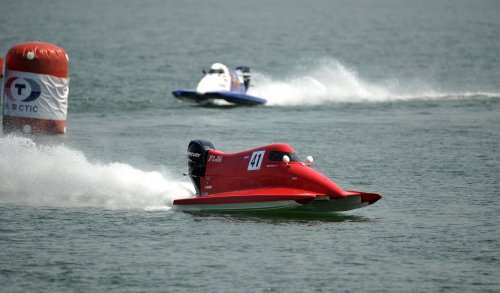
(60,176)
(329,81)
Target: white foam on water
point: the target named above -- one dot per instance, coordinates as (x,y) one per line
(60,176)
(328,81)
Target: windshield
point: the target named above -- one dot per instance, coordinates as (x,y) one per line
(278,156)
(214,71)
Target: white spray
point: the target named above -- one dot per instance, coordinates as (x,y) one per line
(329,81)
(59,176)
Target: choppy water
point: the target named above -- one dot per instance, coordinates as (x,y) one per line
(395,97)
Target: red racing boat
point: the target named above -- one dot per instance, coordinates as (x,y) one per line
(265,178)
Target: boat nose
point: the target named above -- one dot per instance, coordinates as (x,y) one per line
(370,198)
(367,197)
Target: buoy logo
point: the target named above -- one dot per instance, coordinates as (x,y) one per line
(22,89)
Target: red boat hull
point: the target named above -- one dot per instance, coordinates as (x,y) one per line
(275,199)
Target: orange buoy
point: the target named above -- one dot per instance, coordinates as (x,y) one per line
(36,87)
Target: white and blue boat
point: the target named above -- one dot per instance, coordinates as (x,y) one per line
(222,83)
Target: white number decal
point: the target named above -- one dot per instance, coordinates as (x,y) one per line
(256,160)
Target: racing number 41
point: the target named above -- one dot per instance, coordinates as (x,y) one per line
(256,160)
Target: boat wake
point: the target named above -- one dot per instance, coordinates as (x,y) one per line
(330,81)
(59,176)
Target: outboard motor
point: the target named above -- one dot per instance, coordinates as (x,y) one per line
(245,70)
(197,160)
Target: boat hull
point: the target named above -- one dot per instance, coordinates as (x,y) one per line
(305,202)
(336,205)
(282,205)
(231,97)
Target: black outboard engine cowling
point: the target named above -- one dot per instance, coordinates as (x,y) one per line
(197,160)
(246,75)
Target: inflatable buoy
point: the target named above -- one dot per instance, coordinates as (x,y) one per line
(36,87)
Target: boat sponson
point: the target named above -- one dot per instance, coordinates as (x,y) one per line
(368,197)
(251,195)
